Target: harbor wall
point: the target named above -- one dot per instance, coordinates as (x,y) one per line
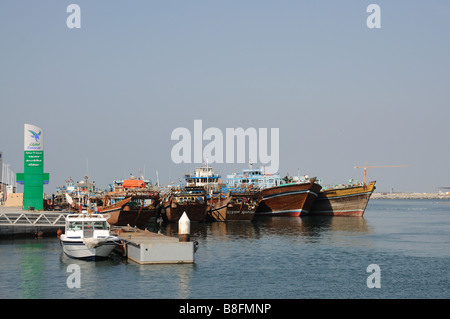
(409,196)
(28,231)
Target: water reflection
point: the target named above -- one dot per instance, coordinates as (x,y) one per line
(309,227)
(336,231)
(91,274)
(31,265)
(184,273)
(284,226)
(202,231)
(315,225)
(313,229)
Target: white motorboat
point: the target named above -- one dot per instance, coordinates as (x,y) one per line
(87,236)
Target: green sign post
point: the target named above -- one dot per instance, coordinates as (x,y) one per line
(33,178)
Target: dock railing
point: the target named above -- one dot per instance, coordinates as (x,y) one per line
(22,218)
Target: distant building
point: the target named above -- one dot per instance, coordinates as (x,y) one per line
(7,180)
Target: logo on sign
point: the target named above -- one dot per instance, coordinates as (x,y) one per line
(35,135)
(34,138)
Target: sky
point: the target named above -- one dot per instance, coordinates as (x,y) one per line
(108,95)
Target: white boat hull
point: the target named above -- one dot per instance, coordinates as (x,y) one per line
(78,249)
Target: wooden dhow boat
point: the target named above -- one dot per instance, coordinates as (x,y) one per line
(243,204)
(238,205)
(132,210)
(291,199)
(217,206)
(189,199)
(112,207)
(350,200)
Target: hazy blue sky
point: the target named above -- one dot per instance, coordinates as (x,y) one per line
(341,94)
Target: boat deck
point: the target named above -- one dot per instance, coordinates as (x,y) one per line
(139,236)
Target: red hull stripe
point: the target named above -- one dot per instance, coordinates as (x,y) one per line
(289,193)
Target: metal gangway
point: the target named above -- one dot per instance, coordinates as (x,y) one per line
(33,218)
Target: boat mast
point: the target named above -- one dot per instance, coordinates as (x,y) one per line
(157,178)
(264,179)
(79,198)
(207,177)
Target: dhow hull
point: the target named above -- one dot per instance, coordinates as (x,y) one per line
(349,202)
(288,200)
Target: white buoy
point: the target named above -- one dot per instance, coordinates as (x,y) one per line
(184,228)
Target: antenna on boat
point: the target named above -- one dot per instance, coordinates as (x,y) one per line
(264,176)
(365,167)
(157,178)
(207,175)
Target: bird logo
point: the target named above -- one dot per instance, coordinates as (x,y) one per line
(35,135)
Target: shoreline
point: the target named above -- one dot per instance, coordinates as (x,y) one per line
(409,196)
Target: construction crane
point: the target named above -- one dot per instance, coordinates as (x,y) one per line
(366,167)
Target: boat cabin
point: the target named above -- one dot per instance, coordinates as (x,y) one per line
(84,226)
(203,176)
(255,177)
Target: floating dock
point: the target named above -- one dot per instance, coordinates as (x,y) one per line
(145,247)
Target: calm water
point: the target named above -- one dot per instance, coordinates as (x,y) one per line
(267,258)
